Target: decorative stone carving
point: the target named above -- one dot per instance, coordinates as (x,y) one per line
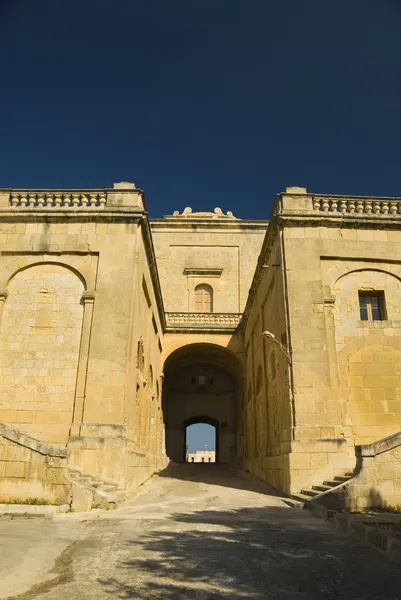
(49,200)
(217,213)
(204,320)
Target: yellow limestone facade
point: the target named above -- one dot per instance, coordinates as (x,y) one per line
(118,332)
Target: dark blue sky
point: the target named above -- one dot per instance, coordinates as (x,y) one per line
(202,102)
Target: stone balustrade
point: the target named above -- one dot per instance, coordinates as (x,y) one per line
(357,206)
(187,320)
(54,200)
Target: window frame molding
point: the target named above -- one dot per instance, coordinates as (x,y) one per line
(380,295)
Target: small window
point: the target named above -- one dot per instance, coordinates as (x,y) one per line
(371,306)
(203,298)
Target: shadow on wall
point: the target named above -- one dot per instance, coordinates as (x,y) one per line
(250,553)
(346,499)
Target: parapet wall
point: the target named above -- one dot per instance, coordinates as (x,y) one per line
(32,469)
(377,483)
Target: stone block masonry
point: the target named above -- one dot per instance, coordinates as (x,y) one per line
(32,469)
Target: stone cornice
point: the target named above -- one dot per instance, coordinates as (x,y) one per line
(317,219)
(268,241)
(237,225)
(122,214)
(154,273)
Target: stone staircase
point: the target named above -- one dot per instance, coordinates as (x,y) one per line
(87,493)
(314,493)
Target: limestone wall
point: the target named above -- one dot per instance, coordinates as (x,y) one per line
(78,291)
(266,410)
(369,352)
(219,252)
(344,388)
(32,469)
(40,338)
(343,381)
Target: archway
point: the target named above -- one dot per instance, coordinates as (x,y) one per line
(41,336)
(209,453)
(202,384)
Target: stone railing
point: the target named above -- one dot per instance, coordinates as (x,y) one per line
(189,320)
(357,206)
(123,195)
(63,200)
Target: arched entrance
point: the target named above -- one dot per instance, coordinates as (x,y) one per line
(202,384)
(203,420)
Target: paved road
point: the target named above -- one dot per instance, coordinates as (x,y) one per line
(197,532)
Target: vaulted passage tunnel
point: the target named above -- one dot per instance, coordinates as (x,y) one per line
(202,385)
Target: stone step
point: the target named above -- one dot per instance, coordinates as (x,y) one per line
(349,474)
(84,480)
(293,503)
(332,483)
(312,493)
(107,500)
(342,478)
(301,497)
(321,488)
(108,488)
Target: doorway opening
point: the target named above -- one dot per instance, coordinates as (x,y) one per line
(201,440)
(202,384)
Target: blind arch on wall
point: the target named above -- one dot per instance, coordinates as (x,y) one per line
(204,298)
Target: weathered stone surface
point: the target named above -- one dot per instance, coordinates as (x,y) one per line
(85,342)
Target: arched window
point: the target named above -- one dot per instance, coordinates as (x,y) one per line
(204,298)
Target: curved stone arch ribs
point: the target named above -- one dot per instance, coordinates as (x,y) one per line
(174,342)
(41,333)
(86,270)
(334,269)
(368,352)
(345,301)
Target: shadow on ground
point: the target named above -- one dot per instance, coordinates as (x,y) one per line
(260,553)
(216,474)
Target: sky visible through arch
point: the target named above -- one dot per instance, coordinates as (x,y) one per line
(201,436)
(202,103)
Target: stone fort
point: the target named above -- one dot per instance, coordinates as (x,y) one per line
(118,331)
